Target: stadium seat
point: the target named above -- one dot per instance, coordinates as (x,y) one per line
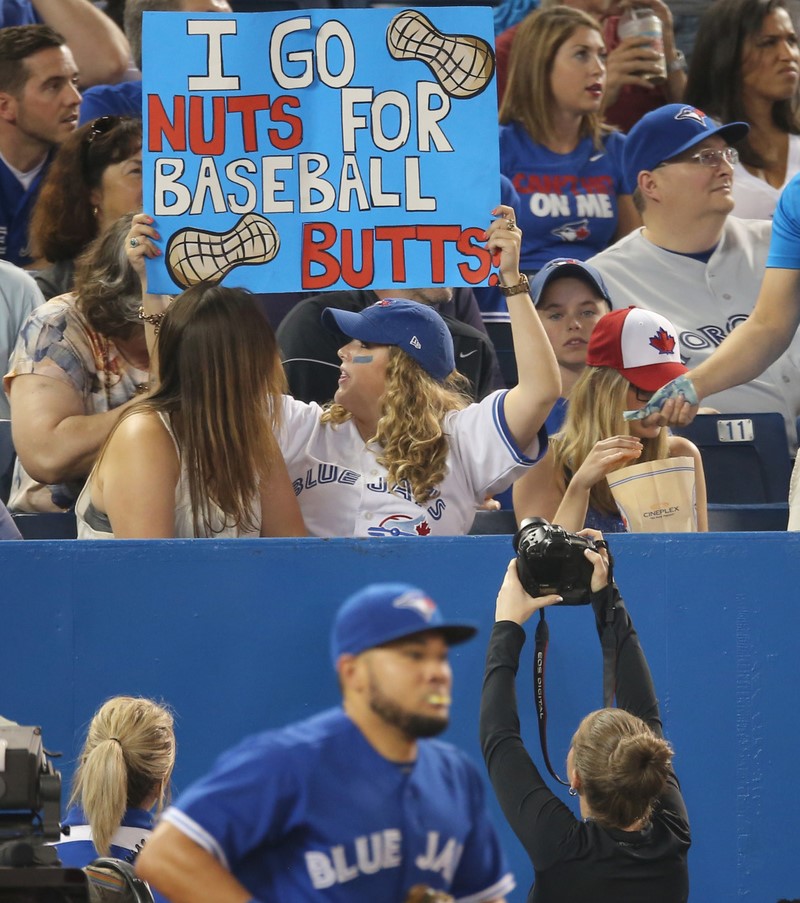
(47,525)
(748,518)
(493,522)
(7,458)
(745,457)
(500,334)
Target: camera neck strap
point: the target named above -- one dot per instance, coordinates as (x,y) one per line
(609,647)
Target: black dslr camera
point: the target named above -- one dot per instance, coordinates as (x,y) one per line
(550,560)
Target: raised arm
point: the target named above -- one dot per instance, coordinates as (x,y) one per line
(539,819)
(100,48)
(539,381)
(138,247)
(532,810)
(634,684)
(184,872)
(746,352)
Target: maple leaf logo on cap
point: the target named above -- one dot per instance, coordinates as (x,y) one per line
(663,342)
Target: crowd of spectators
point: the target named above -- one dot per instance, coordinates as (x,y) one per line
(603,158)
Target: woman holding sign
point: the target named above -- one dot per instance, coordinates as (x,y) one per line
(402,451)
(564,163)
(629,352)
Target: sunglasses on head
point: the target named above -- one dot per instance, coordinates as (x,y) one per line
(100,126)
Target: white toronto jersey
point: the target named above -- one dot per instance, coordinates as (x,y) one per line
(705,301)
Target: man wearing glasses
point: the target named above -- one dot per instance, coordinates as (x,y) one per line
(693,262)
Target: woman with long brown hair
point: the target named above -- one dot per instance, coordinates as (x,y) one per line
(746,67)
(94,179)
(199,456)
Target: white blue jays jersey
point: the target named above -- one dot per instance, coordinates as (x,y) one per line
(344,491)
(312,812)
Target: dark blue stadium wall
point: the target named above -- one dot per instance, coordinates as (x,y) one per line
(234,636)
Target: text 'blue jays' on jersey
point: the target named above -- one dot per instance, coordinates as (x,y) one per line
(311,812)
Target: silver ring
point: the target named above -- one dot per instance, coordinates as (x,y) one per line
(134,242)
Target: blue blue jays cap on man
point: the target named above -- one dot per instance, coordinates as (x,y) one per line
(668,131)
(414,327)
(383,612)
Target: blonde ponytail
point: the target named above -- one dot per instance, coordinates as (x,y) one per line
(128,756)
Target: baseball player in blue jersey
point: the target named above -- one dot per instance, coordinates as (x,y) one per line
(354,805)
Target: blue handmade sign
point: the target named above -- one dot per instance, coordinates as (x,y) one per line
(325,149)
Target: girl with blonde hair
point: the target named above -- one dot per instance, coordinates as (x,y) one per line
(629,351)
(123,772)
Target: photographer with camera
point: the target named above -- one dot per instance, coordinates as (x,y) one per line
(632,839)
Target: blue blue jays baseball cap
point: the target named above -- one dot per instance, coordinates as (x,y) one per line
(383,612)
(568,266)
(668,131)
(414,327)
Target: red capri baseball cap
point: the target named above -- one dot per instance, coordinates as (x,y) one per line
(639,344)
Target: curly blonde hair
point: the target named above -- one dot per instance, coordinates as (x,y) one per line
(594,412)
(410,430)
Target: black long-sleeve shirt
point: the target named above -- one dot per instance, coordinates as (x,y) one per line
(579,861)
